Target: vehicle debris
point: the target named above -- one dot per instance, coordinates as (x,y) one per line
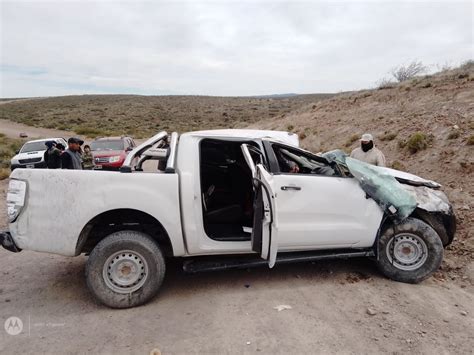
(371,312)
(282,307)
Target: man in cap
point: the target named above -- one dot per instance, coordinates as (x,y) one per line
(367,151)
(71,158)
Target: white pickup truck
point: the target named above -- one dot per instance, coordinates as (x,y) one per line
(226,199)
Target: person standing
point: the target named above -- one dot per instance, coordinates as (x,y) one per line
(87,158)
(367,151)
(71,158)
(52,156)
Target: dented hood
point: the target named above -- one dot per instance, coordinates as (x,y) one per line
(398,193)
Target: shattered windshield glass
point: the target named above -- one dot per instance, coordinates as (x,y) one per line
(378,184)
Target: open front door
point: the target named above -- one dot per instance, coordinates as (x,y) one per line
(264,232)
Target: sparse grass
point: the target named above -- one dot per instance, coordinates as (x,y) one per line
(91,132)
(454,134)
(397,165)
(351,140)
(470,140)
(418,141)
(4,173)
(467,65)
(385,84)
(388,136)
(290,127)
(8,148)
(143,116)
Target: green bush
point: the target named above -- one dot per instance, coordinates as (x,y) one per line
(418,141)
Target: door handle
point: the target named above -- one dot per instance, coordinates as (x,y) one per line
(286,188)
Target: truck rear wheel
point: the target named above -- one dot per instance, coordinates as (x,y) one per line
(125,269)
(410,251)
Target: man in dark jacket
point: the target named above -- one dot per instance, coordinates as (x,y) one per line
(52,156)
(71,158)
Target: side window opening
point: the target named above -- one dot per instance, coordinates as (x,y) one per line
(296,161)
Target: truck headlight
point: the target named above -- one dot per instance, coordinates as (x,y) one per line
(114,159)
(15,199)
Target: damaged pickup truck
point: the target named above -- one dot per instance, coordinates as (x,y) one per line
(226,199)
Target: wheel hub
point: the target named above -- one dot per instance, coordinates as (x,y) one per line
(125,271)
(407,251)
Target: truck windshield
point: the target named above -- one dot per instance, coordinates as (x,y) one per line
(107,145)
(33,147)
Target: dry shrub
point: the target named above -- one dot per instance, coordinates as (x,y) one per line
(418,141)
(351,140)
(4,173)
(398,166)
(388,136)
(406,72)
(454,134)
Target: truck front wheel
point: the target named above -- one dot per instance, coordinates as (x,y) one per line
(125,269)
(409,251)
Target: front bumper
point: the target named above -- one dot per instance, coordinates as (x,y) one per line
(7,242)
(108,166)
(38,165)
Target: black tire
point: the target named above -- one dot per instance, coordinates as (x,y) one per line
(140,257)
(414,238)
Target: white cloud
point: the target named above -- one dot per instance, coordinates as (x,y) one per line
(221,48)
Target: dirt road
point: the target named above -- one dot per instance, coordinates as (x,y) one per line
(233,311)
(13,129)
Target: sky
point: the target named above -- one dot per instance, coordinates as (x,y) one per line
(222,48)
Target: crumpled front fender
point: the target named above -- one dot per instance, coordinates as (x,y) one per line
(429,199)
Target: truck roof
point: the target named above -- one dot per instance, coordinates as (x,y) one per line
(283,136)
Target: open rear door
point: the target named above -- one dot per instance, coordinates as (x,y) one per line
(264,232)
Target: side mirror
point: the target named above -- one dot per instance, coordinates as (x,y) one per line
(129,149)
(18,151)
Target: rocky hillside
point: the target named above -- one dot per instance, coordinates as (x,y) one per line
(424,126)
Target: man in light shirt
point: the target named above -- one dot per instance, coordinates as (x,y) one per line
(367,151)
